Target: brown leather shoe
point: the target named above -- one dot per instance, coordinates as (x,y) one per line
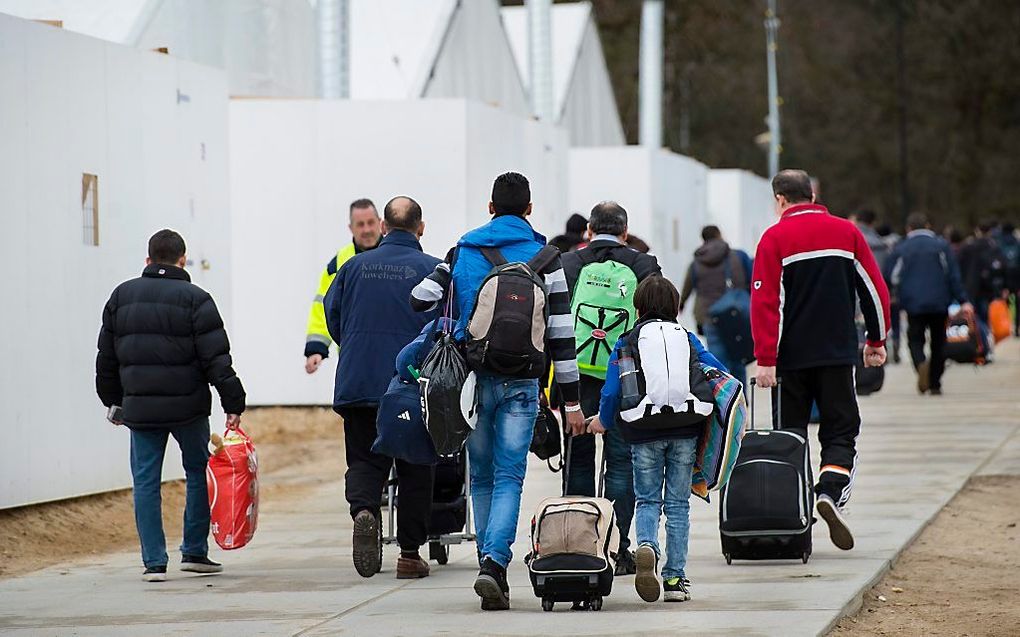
(412,567)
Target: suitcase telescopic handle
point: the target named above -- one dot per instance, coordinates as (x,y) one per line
(601,487)
(779,403)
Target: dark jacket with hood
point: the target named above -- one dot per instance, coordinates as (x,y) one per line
(161,345)
(707,276)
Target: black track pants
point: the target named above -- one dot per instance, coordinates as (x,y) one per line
(368,471)
(832,389)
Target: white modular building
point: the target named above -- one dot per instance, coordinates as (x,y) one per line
(267,47)
(410,49)
(100,146)
(583,93)
(741,204)
(665,195)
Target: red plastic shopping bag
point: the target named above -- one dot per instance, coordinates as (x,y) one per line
(232,476)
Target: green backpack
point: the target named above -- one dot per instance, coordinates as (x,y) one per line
(603,308)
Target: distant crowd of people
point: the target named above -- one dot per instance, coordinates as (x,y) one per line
(584,308)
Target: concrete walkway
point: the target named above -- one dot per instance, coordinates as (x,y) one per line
(297,578)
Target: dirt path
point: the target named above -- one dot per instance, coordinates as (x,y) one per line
(961,576)
(298,448)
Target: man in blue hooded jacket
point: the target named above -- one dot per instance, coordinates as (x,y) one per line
(368,317)
(507,406)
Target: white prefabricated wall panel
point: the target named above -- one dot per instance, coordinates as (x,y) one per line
(664,194)
(741,204)
(154,131)
(295,168)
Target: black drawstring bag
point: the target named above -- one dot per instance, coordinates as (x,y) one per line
(446,402)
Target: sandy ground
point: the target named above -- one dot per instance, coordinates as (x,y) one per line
(298,448)
(961,576)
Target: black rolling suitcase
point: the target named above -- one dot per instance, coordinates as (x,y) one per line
(765,512)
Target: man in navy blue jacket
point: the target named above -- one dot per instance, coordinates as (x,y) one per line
(924,271)
(368,317)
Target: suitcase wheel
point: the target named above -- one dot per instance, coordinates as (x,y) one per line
(595,603)
(547,604)
(729,558)
(439,552)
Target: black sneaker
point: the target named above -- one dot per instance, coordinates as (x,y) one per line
(492,587)
(676,589)
(367,544)
(154,574)
(839,532)
(625,563)
(647,581)
(200,564)
(935,391)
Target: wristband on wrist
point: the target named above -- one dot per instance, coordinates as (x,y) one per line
(572,409)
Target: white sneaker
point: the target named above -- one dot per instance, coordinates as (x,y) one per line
(839,531)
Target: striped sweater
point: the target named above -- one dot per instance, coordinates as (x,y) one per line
(517,241)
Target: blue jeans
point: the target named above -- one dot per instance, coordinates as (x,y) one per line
(148,447)
(717,346)
(668,463)
(498,451)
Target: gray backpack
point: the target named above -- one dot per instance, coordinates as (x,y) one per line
(506,331)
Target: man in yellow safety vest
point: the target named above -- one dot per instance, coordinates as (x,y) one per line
(366,233)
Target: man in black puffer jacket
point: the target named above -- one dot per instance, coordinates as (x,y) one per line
(161,345)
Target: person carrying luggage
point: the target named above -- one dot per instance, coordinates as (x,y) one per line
(162,343)
(602,278)
(810,272)
(715,269)
(926,277)
(365,230)
(513,303)
(367,315)
(657,396)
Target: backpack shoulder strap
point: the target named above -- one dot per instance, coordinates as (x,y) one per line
(587,256)
(543,259)
(493,256)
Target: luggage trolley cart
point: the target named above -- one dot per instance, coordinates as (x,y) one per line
(451,521)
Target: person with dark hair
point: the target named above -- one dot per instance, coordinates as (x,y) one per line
(923,272)
(161,345)
(983,268)
(662,453)
(363,222)
(573,237)
(716,267)
(809,338)
(639,244)
(507,403)
(368,317)
(602,278)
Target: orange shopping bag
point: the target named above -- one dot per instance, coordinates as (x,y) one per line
(998,319)
(232,476)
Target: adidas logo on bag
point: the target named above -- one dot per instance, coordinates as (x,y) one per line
(405,416)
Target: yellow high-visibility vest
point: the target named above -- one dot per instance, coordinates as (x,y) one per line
(317,339)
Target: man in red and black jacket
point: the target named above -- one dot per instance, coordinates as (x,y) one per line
(810,272)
